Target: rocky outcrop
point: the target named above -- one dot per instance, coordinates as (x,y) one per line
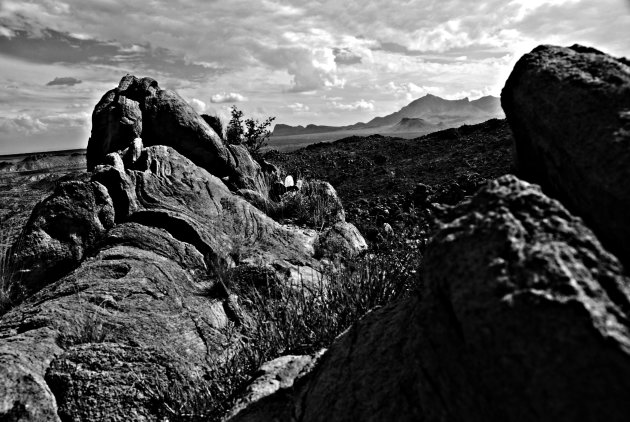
(140,108)
(524,316)
(569,109)
(122,314)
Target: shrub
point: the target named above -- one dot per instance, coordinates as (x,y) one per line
(316,205)
(251,133)
(283,319)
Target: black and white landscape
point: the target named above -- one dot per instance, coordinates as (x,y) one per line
(309,211)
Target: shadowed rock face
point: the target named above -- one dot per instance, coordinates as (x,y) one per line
(523,317)
(140,108)
(569,109)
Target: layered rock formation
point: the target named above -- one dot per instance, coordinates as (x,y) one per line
(528,321)
(569,109)
(120,312)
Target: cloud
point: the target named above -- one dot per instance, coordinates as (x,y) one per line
(46,46)
(65,120)
(339,51)
(344,56)
(409,90)
(28,124)
(298,107)
(231,97)
(393,47)
(199,106)
(68,80)
(361,105)
(22,124)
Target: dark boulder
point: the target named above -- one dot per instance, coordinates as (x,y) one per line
(524,316)
(569,109)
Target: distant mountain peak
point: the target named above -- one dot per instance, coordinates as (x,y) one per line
(427,111)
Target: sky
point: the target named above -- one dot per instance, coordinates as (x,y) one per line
(303,61)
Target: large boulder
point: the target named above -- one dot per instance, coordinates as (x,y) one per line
(138,107)
(569,109)
(136,325)
(524,316)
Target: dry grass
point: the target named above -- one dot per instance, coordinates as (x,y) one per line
(312,206)
(8,268)
(279,320)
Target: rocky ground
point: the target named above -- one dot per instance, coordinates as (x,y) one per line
(404,182)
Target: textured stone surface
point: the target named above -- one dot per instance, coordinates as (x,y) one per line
(523,317)
(342,239)
(569,109)
(125,322)
(276,375)
(140,249)
(140,108)
(59,232)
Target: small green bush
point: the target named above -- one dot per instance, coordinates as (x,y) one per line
(251,133)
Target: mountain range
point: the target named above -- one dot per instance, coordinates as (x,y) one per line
(424,115)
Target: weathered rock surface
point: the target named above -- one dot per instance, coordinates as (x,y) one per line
(105,341)
(342,239)
(140,108)
(276,375)
(59,232)
(524,317)
(569,109)
(134,320)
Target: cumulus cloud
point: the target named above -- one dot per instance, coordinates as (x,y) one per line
(78,119)
(338,50)
(409,90)
(66,80)
(22,124)
(298,107)
(231,97)
(199,106)
(361,105)
(29,124)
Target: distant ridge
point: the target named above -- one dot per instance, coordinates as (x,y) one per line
(421,115)
(412,124)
